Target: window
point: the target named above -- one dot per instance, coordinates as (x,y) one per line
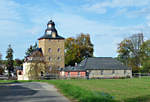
(42,73)
(125,71)
(58,50)
(49,50)
(48,32)
(58,58)
(50,58)
(78,73)
(113,71)
(102,72)
(50,68)
(20,73)
(68,73)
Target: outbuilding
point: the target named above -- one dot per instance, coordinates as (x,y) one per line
(99,67)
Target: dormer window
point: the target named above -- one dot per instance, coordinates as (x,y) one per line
(54,35)
(49,26)
(48,32)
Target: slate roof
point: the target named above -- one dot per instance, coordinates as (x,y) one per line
(98,63)
(50,37)
(53,30)
(103,63)
(74,68)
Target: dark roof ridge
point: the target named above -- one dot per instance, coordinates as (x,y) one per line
(100,57)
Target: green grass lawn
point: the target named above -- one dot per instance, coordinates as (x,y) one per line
(128,90)
(124,90)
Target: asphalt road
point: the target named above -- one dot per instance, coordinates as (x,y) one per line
(30,92)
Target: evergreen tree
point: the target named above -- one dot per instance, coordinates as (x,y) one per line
(31,49)
(9,60)
(0,58)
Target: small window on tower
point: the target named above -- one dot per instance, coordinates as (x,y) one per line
(49,26)
(58,50)
(48,32)
(49,50)
(54,35)
(58,58)
(50,58)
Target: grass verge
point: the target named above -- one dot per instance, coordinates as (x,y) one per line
(81,94)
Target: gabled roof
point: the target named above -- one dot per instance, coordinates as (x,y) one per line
(103,63)
(36,52)
(98,63)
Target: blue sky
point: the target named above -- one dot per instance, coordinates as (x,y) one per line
(108,22)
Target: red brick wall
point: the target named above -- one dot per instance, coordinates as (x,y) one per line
(75,74)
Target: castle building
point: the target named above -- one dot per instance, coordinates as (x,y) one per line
(47,59)
(52,46)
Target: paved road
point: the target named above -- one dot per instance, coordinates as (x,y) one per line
(30,92)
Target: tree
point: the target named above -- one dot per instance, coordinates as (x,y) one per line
(130,51)
(0,58)
(76,49)
(1,68)
(145,56)
(18,62)
(9,60)
(31,49)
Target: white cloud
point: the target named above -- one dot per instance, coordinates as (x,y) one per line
(101,7)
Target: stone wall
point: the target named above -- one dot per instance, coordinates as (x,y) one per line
(53,51)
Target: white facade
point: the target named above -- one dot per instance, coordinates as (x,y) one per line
(32,71)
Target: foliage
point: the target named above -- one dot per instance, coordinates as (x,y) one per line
(9,60)
(129,52)
(145,56)
(31,49)
(0,58)
(76,49)
(18,62)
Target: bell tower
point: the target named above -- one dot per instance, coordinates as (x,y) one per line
(52,46)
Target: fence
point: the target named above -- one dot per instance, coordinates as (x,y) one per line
(141,75)
(3,77)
